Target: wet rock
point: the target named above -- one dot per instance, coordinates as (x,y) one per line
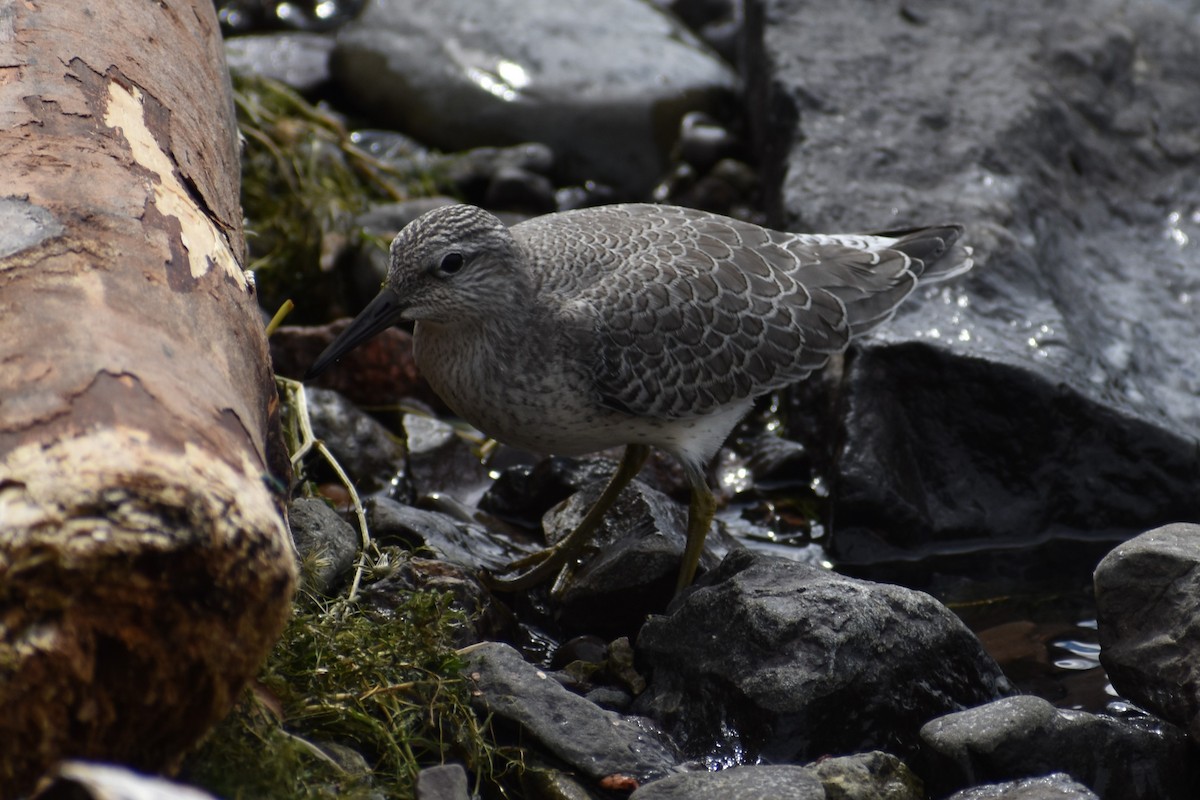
(767,658)
(440,461)
(443,782)
(299,60)
(588,648)
(1148,609)
(598,743)
(1025,736)
(324,540)
(1052,787)
(867,776)
(602,672)
(601,83)
(634,567)
(523,493)
(463,543)
(369,453)
(779,782)
(1050,392)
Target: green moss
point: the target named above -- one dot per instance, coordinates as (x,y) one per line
(385,685)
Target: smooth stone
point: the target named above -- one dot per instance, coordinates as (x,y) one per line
(596,742)
(604,83)
(776,781)
(1025,736)
(443,782)
(440,461)
(1148,611)
(460,542)
(1058,786)
(767,658)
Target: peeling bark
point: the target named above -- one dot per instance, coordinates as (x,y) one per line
(145,567)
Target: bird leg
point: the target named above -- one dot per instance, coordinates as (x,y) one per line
(701,509)
(547,562)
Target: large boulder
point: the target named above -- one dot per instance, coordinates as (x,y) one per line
(1050,392)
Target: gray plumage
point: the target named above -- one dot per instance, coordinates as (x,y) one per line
(659,314)
(634,324)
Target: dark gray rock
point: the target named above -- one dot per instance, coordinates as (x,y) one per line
(778,782)
(324,540)
(443,782)
(1050,392)
(464,543)
(299,60)
(769,658)
(635,558)
(1025,736)
(369,453)
(602,83)
(867,776)
(1148,610)
(523,493)
(1052,787)
(596,742)
(439,460)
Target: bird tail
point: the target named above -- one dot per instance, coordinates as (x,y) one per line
(933,254)
(939,250)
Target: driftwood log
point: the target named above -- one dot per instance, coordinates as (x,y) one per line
(145,566)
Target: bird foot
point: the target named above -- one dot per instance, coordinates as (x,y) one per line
(543,564)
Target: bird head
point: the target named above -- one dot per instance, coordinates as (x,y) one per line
(452,264)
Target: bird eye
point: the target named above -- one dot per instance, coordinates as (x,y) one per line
(451,263)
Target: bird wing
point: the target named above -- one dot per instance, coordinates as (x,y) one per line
(682,312)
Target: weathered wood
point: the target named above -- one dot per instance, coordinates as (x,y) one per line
(145,566)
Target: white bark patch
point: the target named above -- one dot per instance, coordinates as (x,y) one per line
(46,489)
(203,241)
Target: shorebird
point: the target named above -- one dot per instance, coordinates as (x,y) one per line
(635,324)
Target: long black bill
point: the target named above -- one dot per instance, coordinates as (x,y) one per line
(380,314)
